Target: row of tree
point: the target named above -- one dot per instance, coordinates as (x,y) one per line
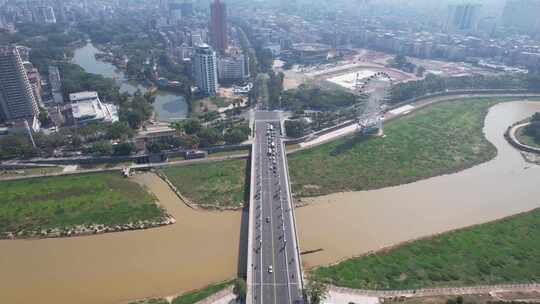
(91,139)
(435,84)
(275,88)
(195,134)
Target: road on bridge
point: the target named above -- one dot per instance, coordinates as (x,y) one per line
(275,266)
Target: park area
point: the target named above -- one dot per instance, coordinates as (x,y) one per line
(67,201)
(505,251)
(443,138)
(211,185)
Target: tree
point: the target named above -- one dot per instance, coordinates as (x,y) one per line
(420,71)
(76,141)
(102,147)
(275,87)
(400,62)
(536,117)
(154,147)
(295,128)
(240,288)
(43,117)
(119,130)
(208,137)
(192,126)
(316,291)
(16,145)
(125,148)
(235,136)
(135,120)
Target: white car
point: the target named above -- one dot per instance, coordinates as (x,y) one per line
(270,270)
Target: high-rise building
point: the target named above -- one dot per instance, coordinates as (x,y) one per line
(16,95)
(522,14)
(218,26)
(463,18)
(205,69)
(234,67)
(60,11)
(45,15)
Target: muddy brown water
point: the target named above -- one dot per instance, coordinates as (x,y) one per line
(203,247)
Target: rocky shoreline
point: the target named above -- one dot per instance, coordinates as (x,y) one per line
(85,230)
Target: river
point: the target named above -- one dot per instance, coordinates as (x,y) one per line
(169,106)
(203,247)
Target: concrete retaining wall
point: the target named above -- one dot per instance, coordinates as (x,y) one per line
(511,137)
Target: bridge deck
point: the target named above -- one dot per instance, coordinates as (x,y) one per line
(273,241)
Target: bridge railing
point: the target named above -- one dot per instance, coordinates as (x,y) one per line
(249,272)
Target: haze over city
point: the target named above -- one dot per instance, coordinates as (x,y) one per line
(269,152)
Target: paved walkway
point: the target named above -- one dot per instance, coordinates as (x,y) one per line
(337,297)
(120,167)
(436,291)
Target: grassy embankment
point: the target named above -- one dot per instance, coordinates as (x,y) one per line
(526,139)
(215,184)
(192,296)
(440,139)
(66,201)
(506,251)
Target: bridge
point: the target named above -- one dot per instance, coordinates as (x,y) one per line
(274,274)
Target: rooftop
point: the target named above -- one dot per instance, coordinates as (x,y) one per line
(74,97)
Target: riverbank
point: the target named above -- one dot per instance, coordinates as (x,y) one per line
(190,297)
(504,251)
(76,205)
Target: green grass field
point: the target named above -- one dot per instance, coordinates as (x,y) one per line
(440,139)
(65,201)
(507,251)
(219,184)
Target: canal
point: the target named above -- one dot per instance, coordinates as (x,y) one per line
(169,106)
(204,247)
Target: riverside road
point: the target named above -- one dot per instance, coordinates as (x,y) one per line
(274,257)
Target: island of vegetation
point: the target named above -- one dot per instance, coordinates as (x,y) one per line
(214,185)
(505,251)
(74,205)
(530,134)
(443,138)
